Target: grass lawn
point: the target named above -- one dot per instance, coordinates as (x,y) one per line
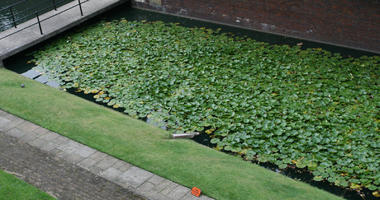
(15,189)
(219,175)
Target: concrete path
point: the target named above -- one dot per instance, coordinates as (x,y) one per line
(57,24)
(73,170)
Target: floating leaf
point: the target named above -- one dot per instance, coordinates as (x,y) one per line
(355,186)
(376,194)
(283,166)
(209,131)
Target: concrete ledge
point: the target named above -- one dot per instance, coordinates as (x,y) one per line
(31,36)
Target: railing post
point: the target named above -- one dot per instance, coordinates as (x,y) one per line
(80,7)
(39,23)
(13,17)
(55,5)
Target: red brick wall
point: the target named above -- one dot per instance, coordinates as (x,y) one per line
(352,23)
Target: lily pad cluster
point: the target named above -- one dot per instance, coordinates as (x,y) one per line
(271,103)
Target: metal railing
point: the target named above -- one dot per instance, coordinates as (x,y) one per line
(36,13)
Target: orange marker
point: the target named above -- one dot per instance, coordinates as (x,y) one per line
(196,191)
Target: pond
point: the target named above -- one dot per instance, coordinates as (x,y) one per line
(19,63)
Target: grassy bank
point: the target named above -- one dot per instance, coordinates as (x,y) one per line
(219,175)
(15,189)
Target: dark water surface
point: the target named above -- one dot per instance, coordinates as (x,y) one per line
(18,63)
(135,14)
(24,10)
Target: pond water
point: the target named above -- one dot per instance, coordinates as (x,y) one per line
(19,64)
(24,10)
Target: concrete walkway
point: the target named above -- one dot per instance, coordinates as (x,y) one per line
(24,39)
(138,183)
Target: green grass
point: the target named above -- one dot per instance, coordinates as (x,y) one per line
(15,189)
(219,175)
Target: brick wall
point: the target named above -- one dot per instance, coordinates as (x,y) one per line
(352,23)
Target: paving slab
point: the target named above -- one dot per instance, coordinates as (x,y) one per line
(98,156)
(27,126)
(84,151)
(155,180)
(41,131)
(15,132)
(106,162)
(163,185)
(39,143)
(135,176)
(70,147)
(42,79)
(57,140)
(4,121)
(121,166)
(148,190)
(71,158)
(10,123)
(111,174)
(53,84)
(48,146)
(101,167)
(169,188)
(87,163)
(32,74)
(50,136)
(179,192)
(28,137)
(124,167)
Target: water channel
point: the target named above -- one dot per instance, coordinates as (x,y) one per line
(19,64)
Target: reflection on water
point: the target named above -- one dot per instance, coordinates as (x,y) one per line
(25,10)
(5,19)
(5,22)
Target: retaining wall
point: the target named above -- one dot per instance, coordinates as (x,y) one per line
(349,23)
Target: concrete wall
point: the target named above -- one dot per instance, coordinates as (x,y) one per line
(350,23)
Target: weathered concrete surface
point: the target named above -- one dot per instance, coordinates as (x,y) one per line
(24,39)
(32,74)
(70,170)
